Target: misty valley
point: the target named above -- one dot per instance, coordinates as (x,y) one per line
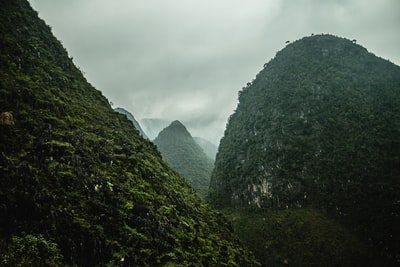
(307,172)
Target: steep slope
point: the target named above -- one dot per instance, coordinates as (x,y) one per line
(319,126)
(152,127)
(79,186)
(209,148)
(130,117)
(185,156)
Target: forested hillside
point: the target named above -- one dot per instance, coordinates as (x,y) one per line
(180,150)
(319,127)
(78,185)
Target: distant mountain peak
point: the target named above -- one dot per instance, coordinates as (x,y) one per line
(180,150)
(177,130)
(178,126)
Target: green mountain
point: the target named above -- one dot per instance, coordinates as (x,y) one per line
(130,117)
(209,148)
(185,156)
(319,127)
(78,185)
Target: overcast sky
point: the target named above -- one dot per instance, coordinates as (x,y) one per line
(187,59)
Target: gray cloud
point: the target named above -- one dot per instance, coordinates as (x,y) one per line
(187,60)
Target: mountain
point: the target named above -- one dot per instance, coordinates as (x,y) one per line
(79,186)
(130,117)
(185,156)
(209,148)
(152,127)
(319,127)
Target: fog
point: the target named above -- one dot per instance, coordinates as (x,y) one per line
(187,60)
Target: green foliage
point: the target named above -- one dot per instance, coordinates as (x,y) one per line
(185,156)
(75,172)
(31,250)
(318,126)
(300,237)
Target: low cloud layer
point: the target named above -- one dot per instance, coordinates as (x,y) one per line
(187,60)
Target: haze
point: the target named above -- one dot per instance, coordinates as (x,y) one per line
(188,59)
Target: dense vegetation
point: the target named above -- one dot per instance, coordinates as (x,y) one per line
(130,117)
(78,185)
(185,156)
(300,237)
(318,127)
